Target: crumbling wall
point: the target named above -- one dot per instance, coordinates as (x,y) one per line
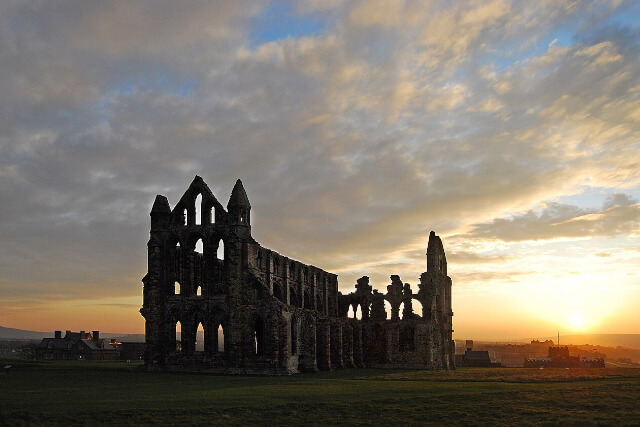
(264,313)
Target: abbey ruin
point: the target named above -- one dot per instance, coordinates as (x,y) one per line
(265,313)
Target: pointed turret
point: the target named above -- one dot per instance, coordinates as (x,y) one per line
(160,212)
(161,204)
(238,197)
(239,207)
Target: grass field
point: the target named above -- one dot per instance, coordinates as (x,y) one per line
(69,393)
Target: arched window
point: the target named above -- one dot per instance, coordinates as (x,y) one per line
(351,314)
(308,301)
(220,251)
(200,337)
(199,246)
(293,297)
(199,291)
(176,288)
(358,314)
(177,260)
(387,308)
(277,291)
(417,308)
(294,336)
(407,339)
(220,339)
(184,217)
(199,209)
(258,337)
(178,336)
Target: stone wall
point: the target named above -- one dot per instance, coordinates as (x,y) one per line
(265,313)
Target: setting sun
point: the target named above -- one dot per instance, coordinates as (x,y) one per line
(577,321)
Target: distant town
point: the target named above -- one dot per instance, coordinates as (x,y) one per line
(541,354)
(91,345)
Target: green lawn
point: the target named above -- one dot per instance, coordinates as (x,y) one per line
(120,393)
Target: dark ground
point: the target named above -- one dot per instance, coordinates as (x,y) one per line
(78,393)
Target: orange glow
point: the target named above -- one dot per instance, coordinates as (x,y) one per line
(577,321)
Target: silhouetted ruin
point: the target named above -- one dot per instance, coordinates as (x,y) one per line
(264,313)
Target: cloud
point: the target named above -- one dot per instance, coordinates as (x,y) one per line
(399,118)
(463,257)
(603,254)
(482,278)
(619,215)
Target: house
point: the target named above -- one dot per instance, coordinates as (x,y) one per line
(476,359)
(76,346)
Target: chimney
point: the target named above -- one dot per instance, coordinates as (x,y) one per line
(82,335)
(58,334)
(95,335)
(469,345)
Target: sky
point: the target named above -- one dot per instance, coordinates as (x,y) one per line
(511,129)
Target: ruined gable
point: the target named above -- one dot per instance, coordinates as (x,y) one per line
(261,312)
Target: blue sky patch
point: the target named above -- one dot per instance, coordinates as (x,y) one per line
(279,21)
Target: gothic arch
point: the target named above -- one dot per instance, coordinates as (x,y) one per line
(258,336)
(277,292)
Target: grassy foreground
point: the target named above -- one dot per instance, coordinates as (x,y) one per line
(76,393)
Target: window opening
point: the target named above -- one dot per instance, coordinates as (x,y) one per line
(277,291)
(199,209)
(387,309)
(220,339)
(258,337)
(220,251)
(294,337)
(417,308)
(407,339)
(351,314)
(178,336)
(200,337)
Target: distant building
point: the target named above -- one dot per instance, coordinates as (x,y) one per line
(476,359)
(130,350)
(559,358)
(76,346)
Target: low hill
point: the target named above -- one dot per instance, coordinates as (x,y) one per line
(21,334)
(605,340)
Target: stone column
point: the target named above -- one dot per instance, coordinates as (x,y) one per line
(323,345)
